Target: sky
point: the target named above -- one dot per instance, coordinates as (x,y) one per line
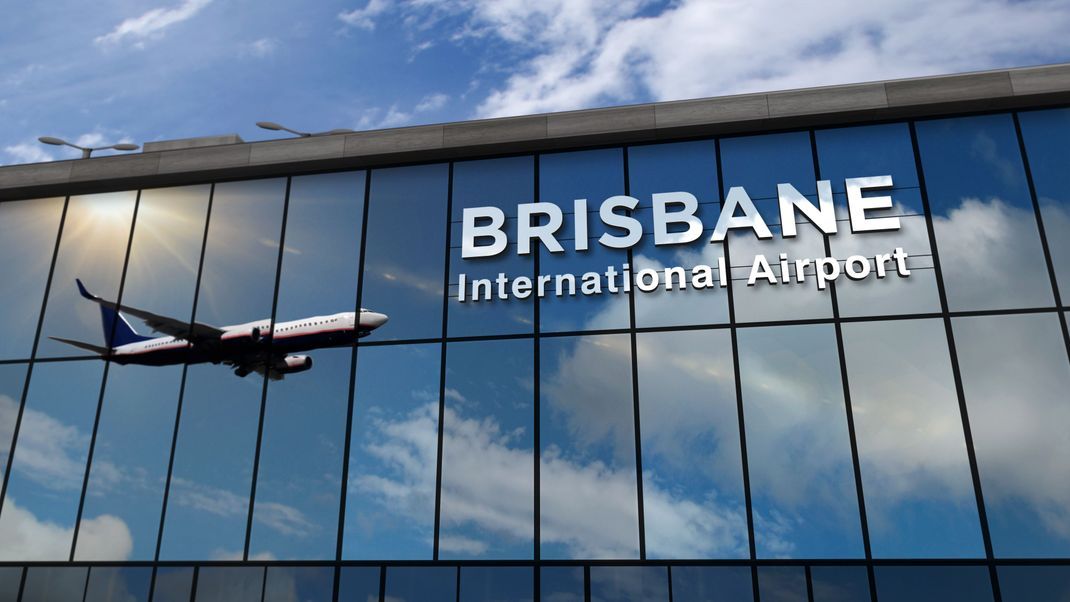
(133,71)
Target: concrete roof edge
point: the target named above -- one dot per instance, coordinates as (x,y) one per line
(1022,87)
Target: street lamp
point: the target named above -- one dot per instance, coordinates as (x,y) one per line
(87,151)
(271,125)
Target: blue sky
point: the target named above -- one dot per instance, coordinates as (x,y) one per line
(122,70)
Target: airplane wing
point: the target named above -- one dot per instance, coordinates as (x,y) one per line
(261,364)
(170,326)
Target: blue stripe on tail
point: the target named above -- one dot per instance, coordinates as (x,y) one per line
(117,331)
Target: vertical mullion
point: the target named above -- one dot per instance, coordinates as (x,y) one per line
(739,385)
(182,384)
(104,378)
(1048,260)
(442,364)
(267,372)
(956,372)
(33,355)
(863,519)
(352,384)
(537,379)
(636,427)
(382,583)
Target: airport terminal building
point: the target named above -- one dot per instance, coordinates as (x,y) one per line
(800,346)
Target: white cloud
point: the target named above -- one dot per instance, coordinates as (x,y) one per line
(364,18)
(432,102)
(27,152)
(50,453)
(151,23)
(261,48)
(25,537)
(282,518)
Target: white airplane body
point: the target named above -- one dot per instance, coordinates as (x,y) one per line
(249,347)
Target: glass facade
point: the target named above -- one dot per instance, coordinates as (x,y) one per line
(897,437)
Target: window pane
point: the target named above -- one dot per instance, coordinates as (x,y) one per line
(561,584)
(173,584)
(93,249)
(118,584)
(1034,583)
(230,584)
(932,583)
(306,584)
(390,499)
(12,379)
(502,183)
(1015,375)
(986,231)
(563,177)
(692,471)
(51,583)
(686,167)
(358,584)
(28,231)
(10,581)
(629,584)
(782,583)
(1045,134)
(488,459)
(497,584)
(712,584)
(133,445)
(920,501)
(207,506)
(406,240)
(421,584)
(840,583)
(879,150)
(798,451)
(587,463)
(41,504)
(758,164)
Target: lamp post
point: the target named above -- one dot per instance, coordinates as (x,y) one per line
(87,151)
(271,125)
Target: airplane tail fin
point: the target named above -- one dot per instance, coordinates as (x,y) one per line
(81,345)
(117,331)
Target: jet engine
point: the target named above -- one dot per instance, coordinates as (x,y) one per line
(293,363)
(260,336)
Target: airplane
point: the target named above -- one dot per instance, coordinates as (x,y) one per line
(250,347)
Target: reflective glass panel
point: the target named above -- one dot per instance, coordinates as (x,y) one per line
(1034,583)
(10,582)
(839,583)
(563,177)
(173,584)
(561,584)
(28,231)
(502,183)
(879,150)
(801,473)
(208,503)
(916,476)
(299,584)
(52,583)
(230,584)
(712,584)
(12,379)
(93,248)
(403,254)
(587,437)
(497,584)
(693,499)
(758,164)
(932,583)
(118,584)
(488,460)
(986,230)
(421,584)
(629,584)
(393,453)
(782,583)
(1015,376)
(1045,134)
(41,504)
(358,584)
(678,167)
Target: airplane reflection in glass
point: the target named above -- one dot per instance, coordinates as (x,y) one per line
(249,347)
